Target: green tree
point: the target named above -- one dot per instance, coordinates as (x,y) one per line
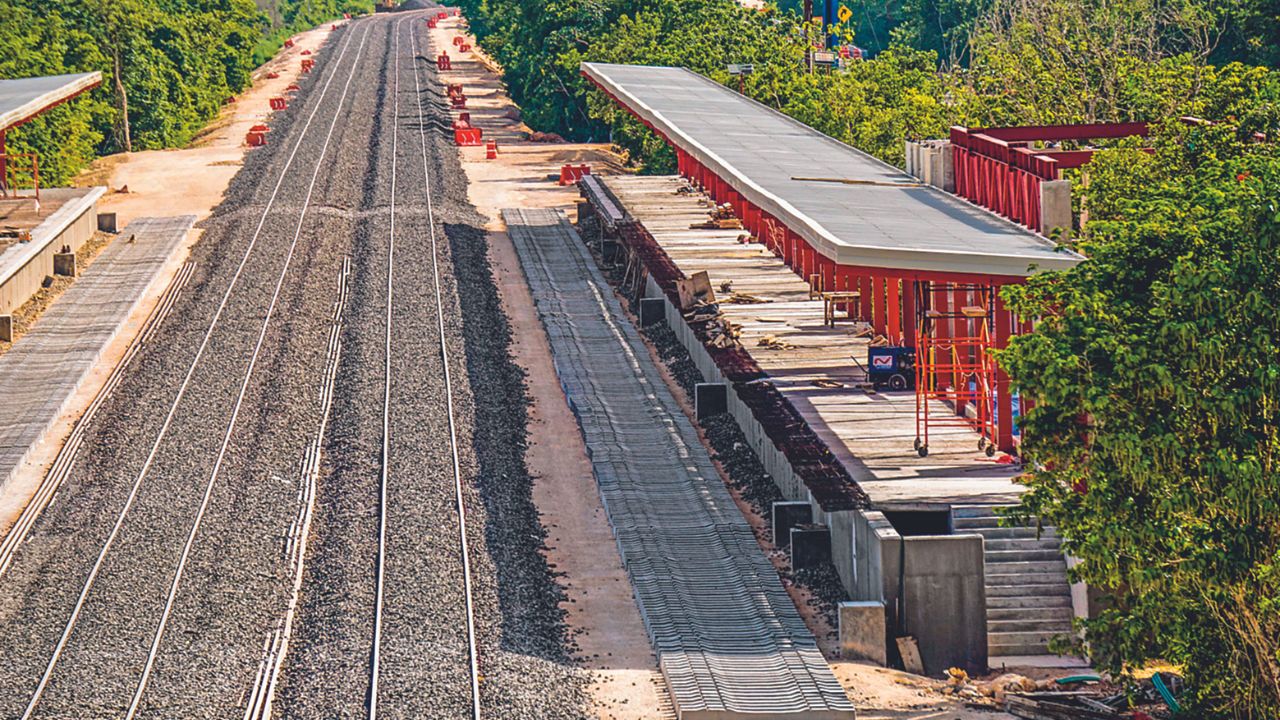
(1155,429)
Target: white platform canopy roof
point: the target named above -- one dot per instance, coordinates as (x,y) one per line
(24,98)
(889,223)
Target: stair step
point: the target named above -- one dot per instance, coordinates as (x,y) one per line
(1057,580)
(1001,545)
(1010,533)
(973,523)
(1019,643)
(1060,612)
(1049,627)
(1036,590)
(969,511)
(998,603)
(1023,555)
(1020,567)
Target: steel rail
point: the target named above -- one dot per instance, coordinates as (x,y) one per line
(38,694)
(448,390)
(375,652)
(154,652)
(61,467)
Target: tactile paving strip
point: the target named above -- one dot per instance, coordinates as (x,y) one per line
(729,640)
(43,370)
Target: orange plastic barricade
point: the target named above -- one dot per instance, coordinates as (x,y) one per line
(491,150)
(468,137)
(570,174)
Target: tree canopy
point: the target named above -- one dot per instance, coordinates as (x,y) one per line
(171,63)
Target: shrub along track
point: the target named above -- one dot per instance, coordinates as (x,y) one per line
(240,567)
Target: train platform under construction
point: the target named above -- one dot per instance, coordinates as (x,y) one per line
(849,314)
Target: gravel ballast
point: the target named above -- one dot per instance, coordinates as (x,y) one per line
(238,578)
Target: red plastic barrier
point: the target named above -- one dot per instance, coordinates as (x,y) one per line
(468,137)
(457,12)
(442,62)
(442,15)
(273,75)
(346,16)
(306,52)
(278,103)
(432,22)
(459,40)
(255,139)
(458,102)
(491,150)
(293,87)
(333,27)
(464,47)
(465,117)
(570,174)
(260,129)
(288,43)
(307,64)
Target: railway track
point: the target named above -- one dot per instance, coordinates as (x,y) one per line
(389,332)
(163,434)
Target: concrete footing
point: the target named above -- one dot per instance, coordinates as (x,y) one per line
(1055,208)
(786,515)
(810,546)
(862,632)
(6,328)
(107,222)
(64,264)
(652,310)
(710,399)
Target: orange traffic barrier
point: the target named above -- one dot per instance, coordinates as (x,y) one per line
(278,103)
(307,64)
(491,150)
(570,174)
(442,62)
(459,40)
(468,137)
(255,139)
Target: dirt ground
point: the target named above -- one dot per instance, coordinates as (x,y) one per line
(190,180)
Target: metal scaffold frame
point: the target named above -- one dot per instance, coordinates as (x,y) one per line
(954,363)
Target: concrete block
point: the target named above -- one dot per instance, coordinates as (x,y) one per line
(810,546)
(1055,208)
(862,629)
(786,515)
(943,168)
(652,310)
(710,399)
(64,264)
(107,222)
(6,328)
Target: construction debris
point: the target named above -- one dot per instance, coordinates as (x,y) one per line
(744,299)
(773,343)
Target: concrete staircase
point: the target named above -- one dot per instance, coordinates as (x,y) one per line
(1028,596)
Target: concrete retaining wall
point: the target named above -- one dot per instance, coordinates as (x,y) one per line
(24,267)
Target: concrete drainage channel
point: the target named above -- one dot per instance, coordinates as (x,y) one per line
(729,640)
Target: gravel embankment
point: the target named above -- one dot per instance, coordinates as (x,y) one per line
(237,578)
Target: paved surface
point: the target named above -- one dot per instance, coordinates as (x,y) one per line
(729,639)
(871,433)
(886,220)
(44,369)
(24,98)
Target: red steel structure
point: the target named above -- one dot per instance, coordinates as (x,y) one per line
(1001,169)
(889,301)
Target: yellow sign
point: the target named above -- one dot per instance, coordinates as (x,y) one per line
(844,14)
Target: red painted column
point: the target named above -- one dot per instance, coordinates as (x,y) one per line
(828,271)
(909,311)
(4,166)
(867,292)
(1004,397)
(893,308)
(880,319)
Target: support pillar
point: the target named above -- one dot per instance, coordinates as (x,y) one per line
(909,311)
(1004,397)
(4,166)
(893,306)
(879,314)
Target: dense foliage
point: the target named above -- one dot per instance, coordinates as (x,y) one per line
(1155,434)
(168,65)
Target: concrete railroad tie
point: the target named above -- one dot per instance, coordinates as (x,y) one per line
(729,640)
